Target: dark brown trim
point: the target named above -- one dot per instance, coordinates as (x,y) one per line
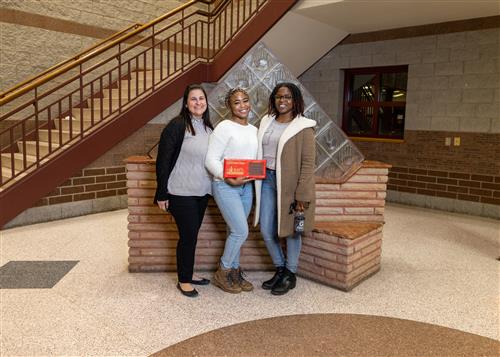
(479,23)
(376,104)
(18,17)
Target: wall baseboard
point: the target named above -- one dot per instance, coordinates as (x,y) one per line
(67,210)
(445,204)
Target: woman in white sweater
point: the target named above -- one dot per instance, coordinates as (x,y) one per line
(232,139)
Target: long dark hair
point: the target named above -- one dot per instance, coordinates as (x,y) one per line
(186,115)
(298,100)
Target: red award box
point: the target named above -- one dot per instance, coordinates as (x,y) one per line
(255,169)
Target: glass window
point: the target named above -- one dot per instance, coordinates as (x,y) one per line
(363,88)
(375,101)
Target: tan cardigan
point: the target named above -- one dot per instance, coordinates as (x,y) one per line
(295,162)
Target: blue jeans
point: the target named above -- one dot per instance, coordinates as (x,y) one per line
(235,203)
(269,227)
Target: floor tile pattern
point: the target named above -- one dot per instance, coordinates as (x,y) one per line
(437,268)
(33,274)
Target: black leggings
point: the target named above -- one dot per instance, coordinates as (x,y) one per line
(188,212)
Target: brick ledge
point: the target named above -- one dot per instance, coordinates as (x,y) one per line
(346,230)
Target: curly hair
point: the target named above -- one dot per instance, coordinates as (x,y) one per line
(298,99)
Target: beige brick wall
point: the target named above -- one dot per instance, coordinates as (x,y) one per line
(115,14)
(453,78)
(453,91)
(27,50)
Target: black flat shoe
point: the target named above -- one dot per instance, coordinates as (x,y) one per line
(192,293)
(202,281)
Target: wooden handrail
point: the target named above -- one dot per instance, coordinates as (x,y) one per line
(13,94)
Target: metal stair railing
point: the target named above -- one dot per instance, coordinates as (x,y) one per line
(67,102)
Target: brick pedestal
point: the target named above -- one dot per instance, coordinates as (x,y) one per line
(153,234)
(341,254)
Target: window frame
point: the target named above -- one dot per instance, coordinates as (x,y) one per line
(349,74)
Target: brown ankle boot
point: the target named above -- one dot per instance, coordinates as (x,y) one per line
(223,278)
(238,275)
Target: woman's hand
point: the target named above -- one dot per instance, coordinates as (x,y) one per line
(237,181)
(163,205)
(301,206)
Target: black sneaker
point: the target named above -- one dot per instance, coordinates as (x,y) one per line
(268,284)
(285,283)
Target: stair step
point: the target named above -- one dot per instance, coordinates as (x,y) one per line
(87,113)
(134,87)
(18,161)
(124,93)
(76,122)
(54,136)
(43,147)
(149,74)
(137,86)
(7,173)
(115,103)
(139,81)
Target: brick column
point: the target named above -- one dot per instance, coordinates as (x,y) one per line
(341,254)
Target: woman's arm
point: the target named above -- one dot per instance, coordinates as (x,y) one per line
(217,144)
(305,184)
(170,141)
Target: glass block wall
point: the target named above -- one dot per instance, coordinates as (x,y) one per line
(258,72)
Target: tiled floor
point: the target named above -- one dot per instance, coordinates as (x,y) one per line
(437,267)
(33,274)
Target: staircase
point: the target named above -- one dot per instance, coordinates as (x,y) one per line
(98,109)
(65,118)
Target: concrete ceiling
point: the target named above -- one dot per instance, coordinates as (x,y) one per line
(357,16)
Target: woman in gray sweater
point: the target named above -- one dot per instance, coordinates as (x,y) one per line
(183,183)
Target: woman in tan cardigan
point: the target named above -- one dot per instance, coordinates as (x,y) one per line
(286,142)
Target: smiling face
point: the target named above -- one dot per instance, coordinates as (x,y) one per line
(239,103)
(283,100)
(196,103)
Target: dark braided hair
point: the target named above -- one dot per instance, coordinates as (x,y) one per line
(231,92)
(298,100)
(186,115)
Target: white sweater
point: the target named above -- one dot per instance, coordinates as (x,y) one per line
(230,140)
